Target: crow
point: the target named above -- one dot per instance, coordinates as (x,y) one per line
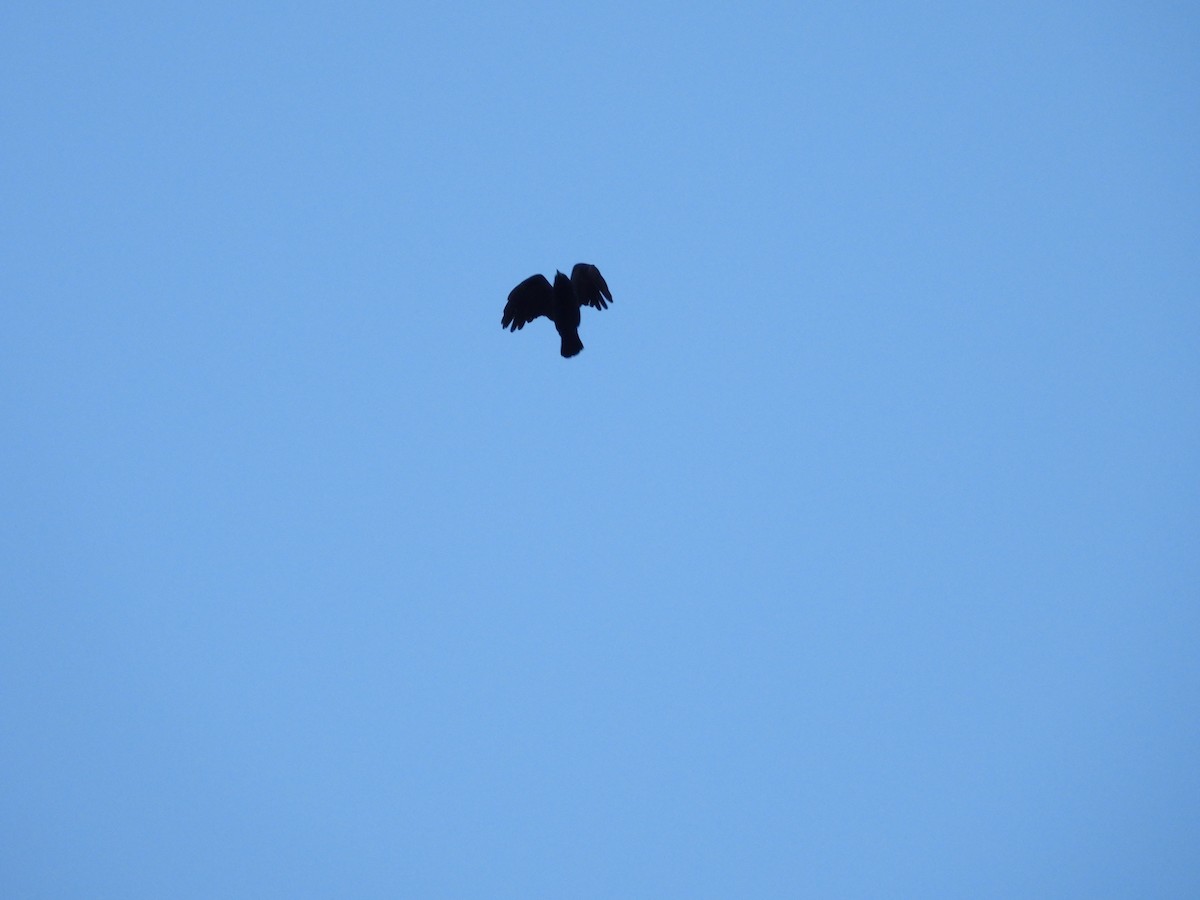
(559,303)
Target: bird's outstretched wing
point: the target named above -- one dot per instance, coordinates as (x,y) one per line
(590,287)
(531,298)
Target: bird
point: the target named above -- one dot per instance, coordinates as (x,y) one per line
(559,303)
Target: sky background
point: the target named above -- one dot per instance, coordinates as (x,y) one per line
(856,556)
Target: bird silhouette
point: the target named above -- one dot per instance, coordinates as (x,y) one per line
(559,303)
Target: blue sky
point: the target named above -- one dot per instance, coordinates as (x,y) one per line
(854,557)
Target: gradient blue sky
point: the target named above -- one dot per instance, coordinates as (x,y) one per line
(856,556)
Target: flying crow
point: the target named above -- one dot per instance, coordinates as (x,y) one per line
(559,303)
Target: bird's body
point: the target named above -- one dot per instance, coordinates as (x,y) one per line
(566,315)
(560,302)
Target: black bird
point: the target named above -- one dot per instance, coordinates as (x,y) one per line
(560,304)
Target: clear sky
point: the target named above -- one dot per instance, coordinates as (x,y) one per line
(856,556)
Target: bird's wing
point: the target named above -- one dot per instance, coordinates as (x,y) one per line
(531,298)
(590,287)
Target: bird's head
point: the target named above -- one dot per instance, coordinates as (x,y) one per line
(561,281)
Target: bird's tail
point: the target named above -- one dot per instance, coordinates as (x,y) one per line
(571,344)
